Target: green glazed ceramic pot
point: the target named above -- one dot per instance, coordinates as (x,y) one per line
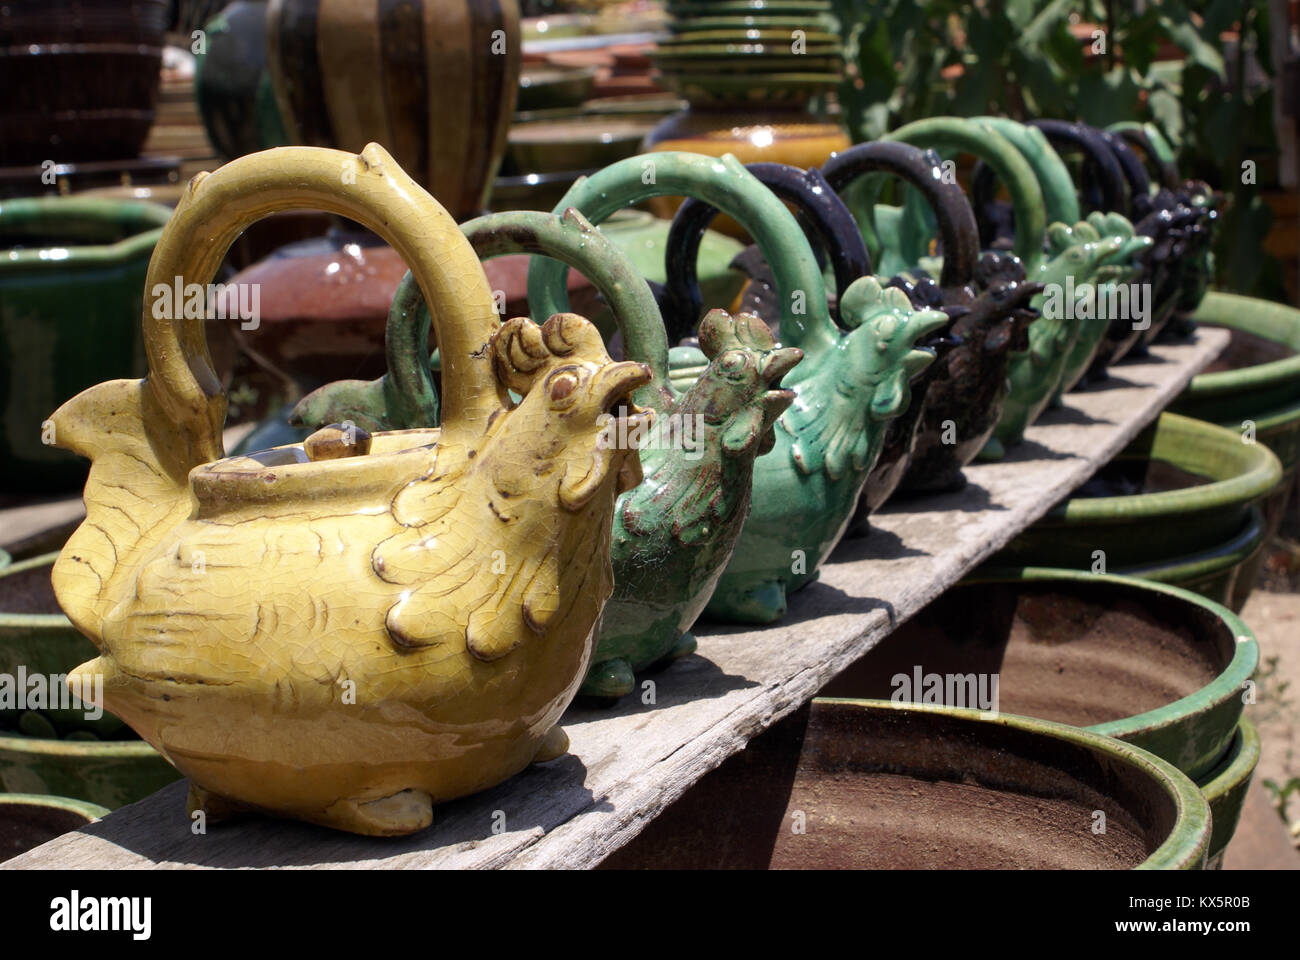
(36,639)
(883,785)
(1225,788)
(71,274)
(1224,572)
(674,531)
(847,388)
(1255,381)
(232,85)
(1181,487)
(1153,665)
(28,820)
(109,773)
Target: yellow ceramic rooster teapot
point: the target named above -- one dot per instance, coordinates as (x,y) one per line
(349,630)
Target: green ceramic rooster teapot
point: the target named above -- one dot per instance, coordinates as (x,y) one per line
(850,384)
(1061,257)
(672,534)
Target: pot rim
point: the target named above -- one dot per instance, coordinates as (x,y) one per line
(91,811)
(1215,559)
(1237,766)
(1226,309)
(1259,471)
(1187,844)
(32,620)
(103,209)
(1225,686)
(77,749)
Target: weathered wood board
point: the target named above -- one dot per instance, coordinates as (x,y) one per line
(628,763)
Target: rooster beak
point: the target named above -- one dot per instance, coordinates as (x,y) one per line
(777,363)
(915,361)
(617,381)
(926,322)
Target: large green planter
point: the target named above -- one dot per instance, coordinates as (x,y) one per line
(72,272)
(60,751)
(1225,788)
(870,784)
(28,820)
(1200,481)
(1224,572)
(1155,666)
(1256,380)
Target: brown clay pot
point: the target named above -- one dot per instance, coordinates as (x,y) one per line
(80,79)
(433,81)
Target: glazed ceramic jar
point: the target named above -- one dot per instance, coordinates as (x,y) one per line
(434,688)
(80,79)
(65,751)
(232,86)
(28,820)
(71,274)
(1253,387)
(1182,493)
(901,786)
(1153,665)
(749,82)
(435,81)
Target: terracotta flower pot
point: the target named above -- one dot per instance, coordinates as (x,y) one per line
(1155,666)
(1181,488)
(91,763)
(71,275)
(866,784)
(80,79)
(28,820)
(433,81)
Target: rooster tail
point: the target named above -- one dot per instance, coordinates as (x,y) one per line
(137,491)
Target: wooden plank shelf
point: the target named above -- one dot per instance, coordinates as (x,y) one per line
(629,762)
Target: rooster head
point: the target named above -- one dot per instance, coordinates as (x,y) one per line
(576,424)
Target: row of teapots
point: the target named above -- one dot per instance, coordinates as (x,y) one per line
(849,438)
(390,619)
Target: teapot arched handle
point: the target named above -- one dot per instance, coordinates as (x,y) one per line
(1135,173)
(1101,168)
(1151,143)
(405,396)
(827,220)
(1060,198)
(920,169)
(953,133)
(725,183)
(368,187)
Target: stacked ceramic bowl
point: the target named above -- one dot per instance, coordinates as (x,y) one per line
(725,51)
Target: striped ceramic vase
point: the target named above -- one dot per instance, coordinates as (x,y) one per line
(432,81)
